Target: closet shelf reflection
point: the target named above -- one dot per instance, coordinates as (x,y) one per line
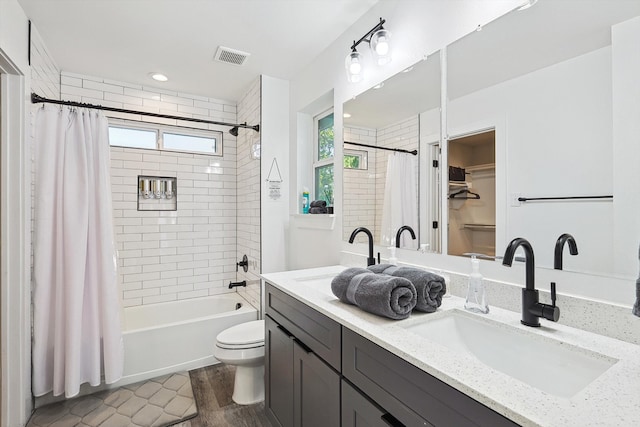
(480,227)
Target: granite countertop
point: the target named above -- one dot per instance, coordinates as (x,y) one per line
(612,399)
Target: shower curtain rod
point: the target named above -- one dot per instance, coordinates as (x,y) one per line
(399,150)
(35,98)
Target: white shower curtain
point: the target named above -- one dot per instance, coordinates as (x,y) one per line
(77,332)
(400,200)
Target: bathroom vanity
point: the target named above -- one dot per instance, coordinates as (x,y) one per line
(332,364)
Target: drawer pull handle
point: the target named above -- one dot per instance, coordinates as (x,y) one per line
(304,347)
(391,421)
(284,331)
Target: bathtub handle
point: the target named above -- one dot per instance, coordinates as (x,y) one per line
(284,331)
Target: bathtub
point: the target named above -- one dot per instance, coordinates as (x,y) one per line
(174,336)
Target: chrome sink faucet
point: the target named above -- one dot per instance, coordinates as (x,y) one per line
(370,260)
(400,230)
(532,309)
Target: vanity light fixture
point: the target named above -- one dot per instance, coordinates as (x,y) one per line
(159,77)
(378,39)
(527,4)
(346,115)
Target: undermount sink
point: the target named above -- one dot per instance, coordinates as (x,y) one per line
(544,363)
(320,282)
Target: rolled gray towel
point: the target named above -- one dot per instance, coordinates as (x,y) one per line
(636,306)
(429,286)
(392,297)
(317,210)
(318,204)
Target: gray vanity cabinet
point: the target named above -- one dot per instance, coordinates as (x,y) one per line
(302,389)
(278,374)
(319,373)
(411,395)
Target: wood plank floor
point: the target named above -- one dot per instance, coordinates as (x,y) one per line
(212,389)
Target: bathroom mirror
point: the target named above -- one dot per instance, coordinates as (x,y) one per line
(542,80)
(393,189)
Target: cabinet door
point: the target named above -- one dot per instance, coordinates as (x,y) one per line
(278,374)
(359,411)
(316,390)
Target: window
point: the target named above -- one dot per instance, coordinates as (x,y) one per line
(323,162)
(355,159)
(169,138)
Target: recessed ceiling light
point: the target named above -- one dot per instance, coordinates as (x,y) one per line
(346,115)
(159,77)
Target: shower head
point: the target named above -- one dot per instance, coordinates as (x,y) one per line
(234,131)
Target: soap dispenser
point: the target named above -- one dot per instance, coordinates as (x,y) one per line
(476,298)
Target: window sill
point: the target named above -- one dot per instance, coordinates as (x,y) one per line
(313,221)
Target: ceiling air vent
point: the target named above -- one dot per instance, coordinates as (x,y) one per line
(231,56)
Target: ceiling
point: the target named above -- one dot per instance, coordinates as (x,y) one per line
(125,40)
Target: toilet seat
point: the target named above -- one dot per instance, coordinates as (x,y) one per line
(243,336)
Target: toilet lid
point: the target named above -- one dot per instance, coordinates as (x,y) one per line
(243,334)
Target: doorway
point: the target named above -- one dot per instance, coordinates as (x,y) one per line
(472,194)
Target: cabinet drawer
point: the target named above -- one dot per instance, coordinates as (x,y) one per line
(358,410)
(411,395)
(315,330)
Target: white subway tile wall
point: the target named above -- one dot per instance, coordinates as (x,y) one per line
(45,74)
(359,186)
(249,194)
(169,255)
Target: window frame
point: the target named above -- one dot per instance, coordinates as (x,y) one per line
(161,129)
(317,163)
(363,155)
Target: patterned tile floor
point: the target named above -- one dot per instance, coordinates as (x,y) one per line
(210,387)
(158,402)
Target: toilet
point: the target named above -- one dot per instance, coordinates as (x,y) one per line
(243,346)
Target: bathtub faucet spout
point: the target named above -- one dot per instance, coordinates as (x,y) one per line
(236,284)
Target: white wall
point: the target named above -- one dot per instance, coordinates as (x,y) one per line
(419,28)
(557,123)
(626,143)
(274,133)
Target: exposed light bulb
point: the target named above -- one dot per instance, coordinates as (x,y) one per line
(355,67)
(382,48)
(346,115)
